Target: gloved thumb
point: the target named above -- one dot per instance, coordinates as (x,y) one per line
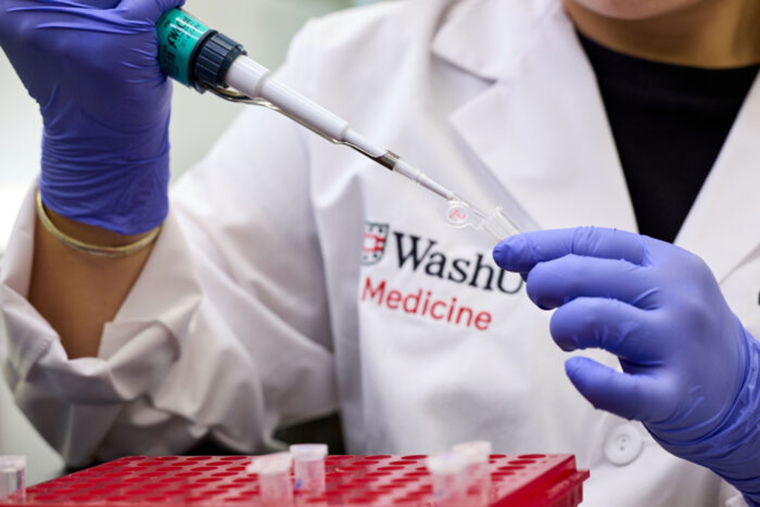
(148,9)
(620,393)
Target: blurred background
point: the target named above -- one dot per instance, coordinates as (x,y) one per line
(265,27)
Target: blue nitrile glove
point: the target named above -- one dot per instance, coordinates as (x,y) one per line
(691,370)
(92,66)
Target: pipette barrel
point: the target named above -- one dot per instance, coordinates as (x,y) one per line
(198,56)
(253,80)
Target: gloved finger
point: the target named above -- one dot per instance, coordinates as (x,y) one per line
(522,252)
(552,284)
(148,9)
(606,324)
(629,396)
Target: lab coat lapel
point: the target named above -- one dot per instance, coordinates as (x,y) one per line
(723,226)
(541,128)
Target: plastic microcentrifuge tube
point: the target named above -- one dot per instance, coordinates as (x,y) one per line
(12,478)
(274,477)
(477,470)
(309,467)
(447,471)
(460,214)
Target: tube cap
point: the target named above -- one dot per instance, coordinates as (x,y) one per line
(474,452)
(271,464)
(445,464)
(308,452)
(12,463)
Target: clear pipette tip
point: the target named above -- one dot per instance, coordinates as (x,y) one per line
(403,168)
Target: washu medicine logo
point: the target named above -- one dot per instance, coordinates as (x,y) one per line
(375,239)
(419,296)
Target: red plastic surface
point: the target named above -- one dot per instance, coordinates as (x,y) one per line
(529,480)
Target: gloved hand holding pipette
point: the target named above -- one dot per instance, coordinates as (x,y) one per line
(92,67)
(691,372)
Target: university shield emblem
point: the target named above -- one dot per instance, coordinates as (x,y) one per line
(375,239)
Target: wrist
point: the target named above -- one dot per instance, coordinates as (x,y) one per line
(108,244)
(732,449)
(129,200)
(115,182)
(92,234)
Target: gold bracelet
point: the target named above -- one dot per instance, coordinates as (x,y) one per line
(100,251)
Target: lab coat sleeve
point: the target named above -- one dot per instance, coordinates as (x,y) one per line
(731,497)
(226,333)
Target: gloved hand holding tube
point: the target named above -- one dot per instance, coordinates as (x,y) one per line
(691,372)
(92,66)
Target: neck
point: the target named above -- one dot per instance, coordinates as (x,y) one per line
(709,34)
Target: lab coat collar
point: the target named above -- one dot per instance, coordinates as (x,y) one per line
(723,226)
(488,37)
(541,128)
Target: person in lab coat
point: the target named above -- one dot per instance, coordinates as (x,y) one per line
(291,277)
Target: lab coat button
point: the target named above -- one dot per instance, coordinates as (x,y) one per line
(623,445)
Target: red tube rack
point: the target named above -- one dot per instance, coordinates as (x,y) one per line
(534,480)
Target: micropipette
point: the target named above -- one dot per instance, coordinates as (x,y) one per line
(207,60)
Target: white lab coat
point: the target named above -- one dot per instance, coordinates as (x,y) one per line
(284,282)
